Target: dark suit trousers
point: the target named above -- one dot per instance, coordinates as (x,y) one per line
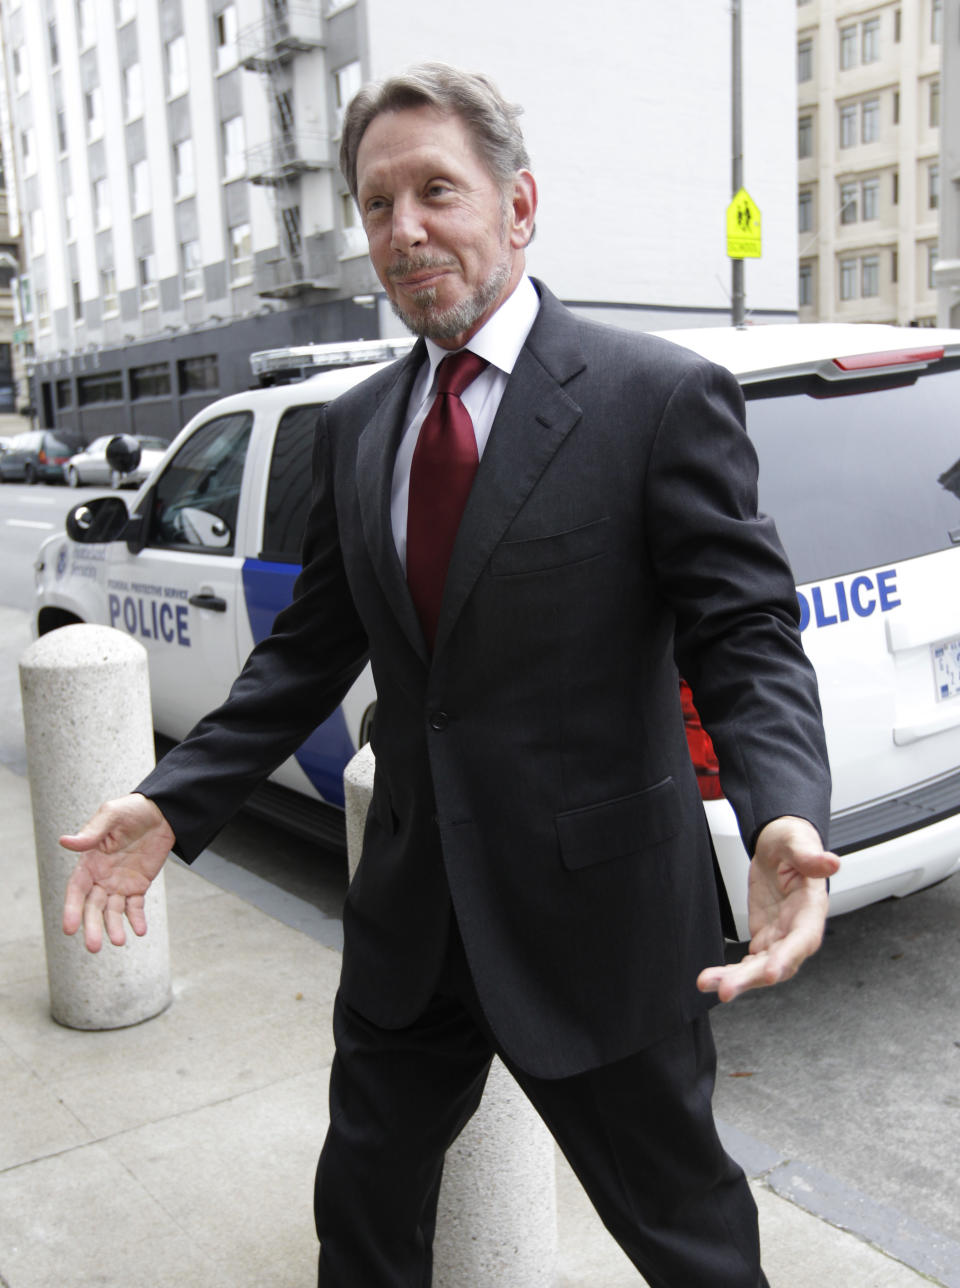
(638,1133)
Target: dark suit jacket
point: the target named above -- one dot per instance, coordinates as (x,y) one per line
(534,772)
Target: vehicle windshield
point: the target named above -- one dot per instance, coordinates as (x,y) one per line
(859,475)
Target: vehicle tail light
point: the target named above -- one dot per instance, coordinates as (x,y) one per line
(701,748)
(893,358)
(41,457)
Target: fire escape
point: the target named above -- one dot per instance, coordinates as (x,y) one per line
(269,47)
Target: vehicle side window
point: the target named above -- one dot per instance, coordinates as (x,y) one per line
(288,488)
(195,502)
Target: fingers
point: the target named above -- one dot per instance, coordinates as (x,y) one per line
(78,887)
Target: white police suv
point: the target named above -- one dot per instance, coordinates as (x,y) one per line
(855,427)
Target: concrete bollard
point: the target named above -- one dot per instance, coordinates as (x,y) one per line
(497,1217)
(89,735)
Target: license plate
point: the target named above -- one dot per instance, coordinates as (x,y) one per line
(946,669)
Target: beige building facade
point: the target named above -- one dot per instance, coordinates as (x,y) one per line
(868,133)
(948,268)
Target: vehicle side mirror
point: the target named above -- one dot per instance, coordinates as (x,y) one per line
(103,519)
(123,453)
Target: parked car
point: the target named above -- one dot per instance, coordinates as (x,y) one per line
(855,428)
(91,465)
(37,454)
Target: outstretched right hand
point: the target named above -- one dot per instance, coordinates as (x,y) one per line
(123,847)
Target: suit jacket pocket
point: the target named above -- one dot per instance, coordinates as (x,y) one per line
(381,806)
(552,551)
(626,825)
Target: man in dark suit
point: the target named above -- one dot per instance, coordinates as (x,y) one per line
(527,539)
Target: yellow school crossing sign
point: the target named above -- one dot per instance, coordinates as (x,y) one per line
(743,227)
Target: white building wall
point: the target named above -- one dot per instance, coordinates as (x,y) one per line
(627,120)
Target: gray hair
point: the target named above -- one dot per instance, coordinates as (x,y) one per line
(491,120)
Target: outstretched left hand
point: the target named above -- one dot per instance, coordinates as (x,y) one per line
(787,909)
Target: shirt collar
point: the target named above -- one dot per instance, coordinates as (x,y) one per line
(504,333)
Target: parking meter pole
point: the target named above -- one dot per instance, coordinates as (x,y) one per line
(497,1216)
(89,735)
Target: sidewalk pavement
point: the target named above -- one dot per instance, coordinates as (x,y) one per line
(181,1151)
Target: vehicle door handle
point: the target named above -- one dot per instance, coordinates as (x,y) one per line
(208,600)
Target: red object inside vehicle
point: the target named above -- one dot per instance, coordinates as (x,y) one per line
(701,748)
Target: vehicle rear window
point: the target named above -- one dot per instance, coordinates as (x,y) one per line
(288,489)
(859,475)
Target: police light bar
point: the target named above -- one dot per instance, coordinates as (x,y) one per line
(296,362)
(893,358)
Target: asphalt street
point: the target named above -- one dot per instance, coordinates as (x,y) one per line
(844,1083)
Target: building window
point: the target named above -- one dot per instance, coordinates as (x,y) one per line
(241,253)
(346,81)
(871,198)
(53,44)
(354,238)
(805,60)
(176,62)
(152,381)
(77,301)
(805,286)
(933,254)
(805,211)
(849,193)
(805,137)
(191,268)
(870,120)
(870,276)
(43,311)
(234,148)
(85,24)
(140,187)
(105,386)
(895,188)
(183,177)
(21,71)
(225,37)
(132,92)
(64,394)
(29,149)
(934,104)
(38,234)
(936,21)
(933,187)
(848,48)
(61,130)
(101,205)
(108,292)
(126,11)
(848,279)
(894,266)
(897,24)
(93,113)
(198,375)
(896,107)
(848,125)
(870,41)
(147,281)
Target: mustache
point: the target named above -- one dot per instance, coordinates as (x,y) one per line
(404,267)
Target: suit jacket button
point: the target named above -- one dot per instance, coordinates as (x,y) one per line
(439,721)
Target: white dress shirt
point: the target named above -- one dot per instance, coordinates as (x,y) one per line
(499,340)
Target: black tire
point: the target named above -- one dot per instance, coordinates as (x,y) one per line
(29,475)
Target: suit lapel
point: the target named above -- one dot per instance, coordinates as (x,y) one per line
(376,451)
(533,419)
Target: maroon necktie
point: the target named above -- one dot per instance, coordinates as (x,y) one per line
(441,474)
